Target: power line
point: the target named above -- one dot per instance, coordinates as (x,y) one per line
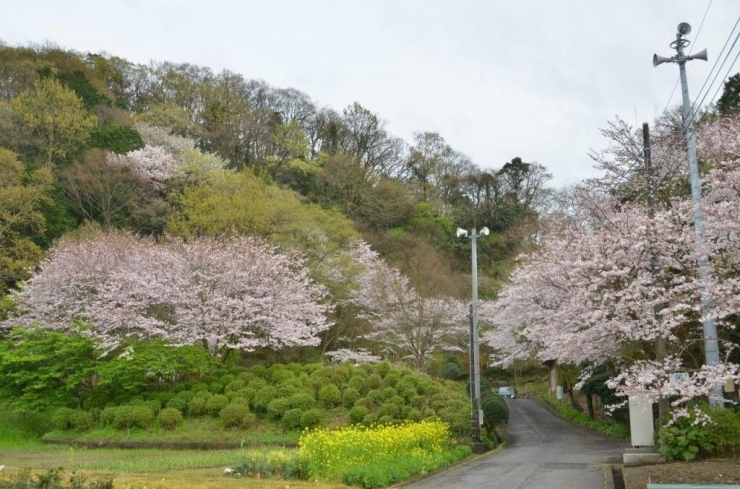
(726,75)
(697,104)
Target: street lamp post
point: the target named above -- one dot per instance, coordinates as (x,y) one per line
(478,447)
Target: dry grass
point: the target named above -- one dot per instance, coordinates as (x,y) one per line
(206,478)
(701,472)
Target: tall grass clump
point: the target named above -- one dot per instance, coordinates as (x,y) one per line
(380,455)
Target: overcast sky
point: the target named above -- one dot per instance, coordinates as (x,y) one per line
(497,79)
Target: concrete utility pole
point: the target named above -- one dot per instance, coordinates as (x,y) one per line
(711,345)
(478,447)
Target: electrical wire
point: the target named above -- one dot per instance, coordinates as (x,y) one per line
(714,97)
(697,104)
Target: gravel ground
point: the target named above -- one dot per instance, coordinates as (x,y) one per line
(703,472)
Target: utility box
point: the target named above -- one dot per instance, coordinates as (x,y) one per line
(561,392)
(641,421)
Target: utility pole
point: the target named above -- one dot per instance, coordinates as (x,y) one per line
(659,341)
(478,446)
(711,345)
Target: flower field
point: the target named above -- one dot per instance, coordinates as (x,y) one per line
(378,456)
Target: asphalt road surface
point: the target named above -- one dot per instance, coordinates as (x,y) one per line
(544,452)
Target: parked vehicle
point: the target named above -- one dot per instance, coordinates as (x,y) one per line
(507,392)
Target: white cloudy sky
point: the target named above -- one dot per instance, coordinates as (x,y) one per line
(497,79)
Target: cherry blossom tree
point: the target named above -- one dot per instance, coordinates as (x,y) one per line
(608,280)
(403,321)
(235,293)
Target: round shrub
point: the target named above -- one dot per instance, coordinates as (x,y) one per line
(388,409)
(414,415)
(227,379)
(383,368)
(350,396)
(246,394)
(451,371)
(416,401)
(169,418)
(246,376)
(357,414)
(281,375)
(278,407)
(236,416)
(289,387)
(257,384)
(388,392)
(495,410)
(154,405)
(215,387)
(82,420)
(369,420)
(302,401)
(127,417)
(62,418)
(259,371)
(374,381)
(292,419)
(177,403)
(197,405)
(294,367)
(459,421)
(375,396)
(385,420)
(108,415)
(216,403)
(391,379)
(406,389)
(234,386)
(330,395)
(262,399)
(311,418)
(357,382)
(366,403)
(199,387)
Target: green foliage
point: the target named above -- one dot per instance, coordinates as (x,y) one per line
(495,410)
(43,369)
(72,419)
(383,368)
(292,419)
(278,407)
(691,437)
(311,418)
(262,399)
(127,417)
(237,416)
(357,414)
(52,121)
(302,400)
(330,395)
(451,371)
(54,479)
(216,403)
(609,428)
(169,418)
(22,195)
(197,405)
(349,397)
(118,138)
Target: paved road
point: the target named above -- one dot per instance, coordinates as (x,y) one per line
(544,451)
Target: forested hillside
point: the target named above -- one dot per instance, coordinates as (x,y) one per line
(146,166)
